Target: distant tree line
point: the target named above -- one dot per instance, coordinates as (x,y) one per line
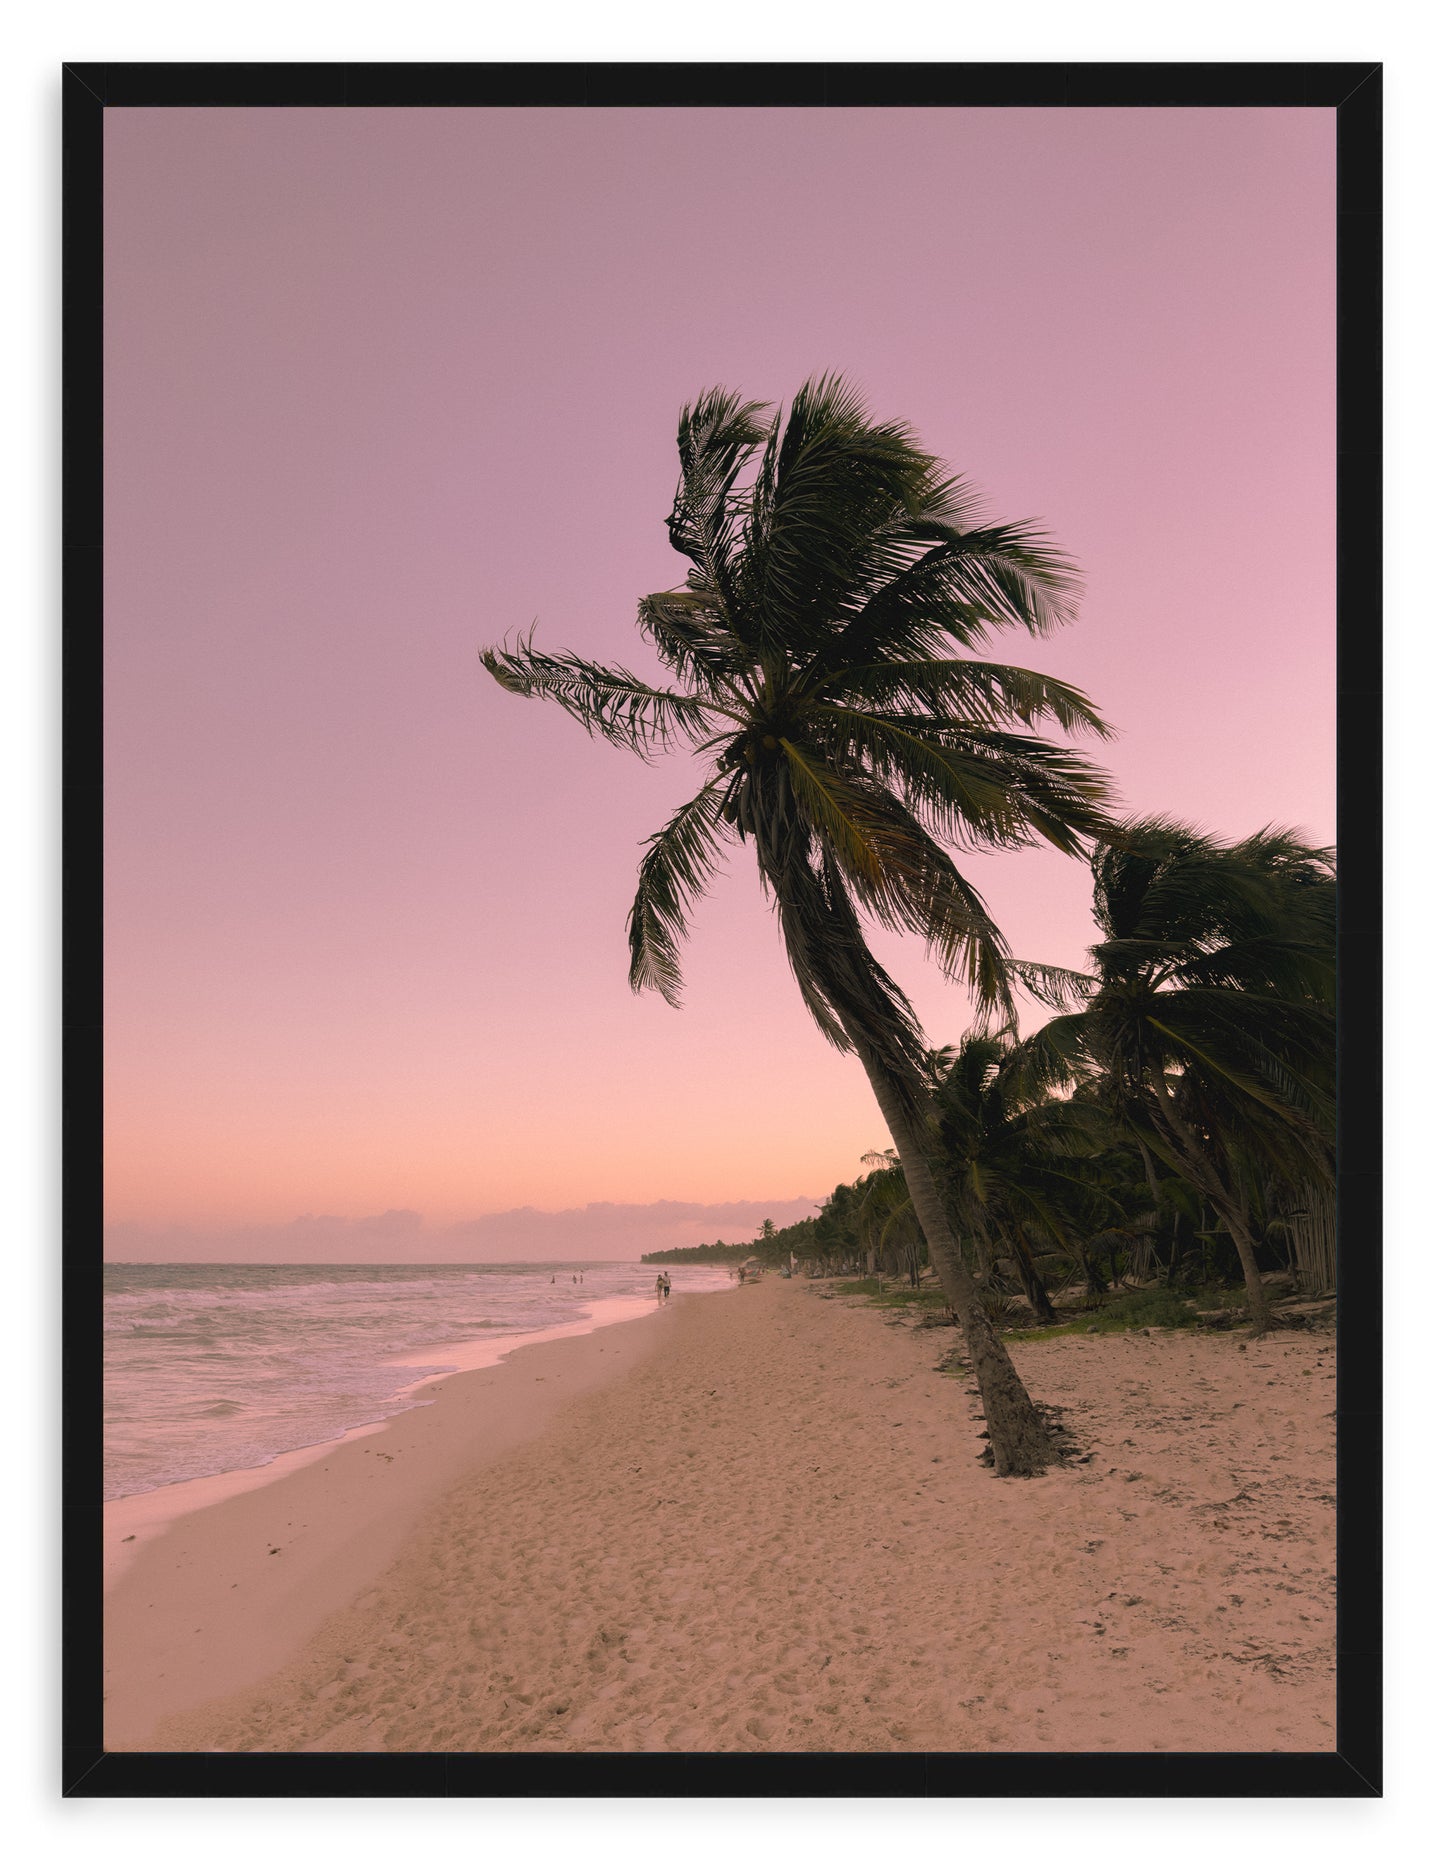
(720,1253)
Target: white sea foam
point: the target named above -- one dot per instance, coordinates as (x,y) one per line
(210,1369)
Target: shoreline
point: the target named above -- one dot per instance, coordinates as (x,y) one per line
(221,1583)
(138,1518)
(770,1530)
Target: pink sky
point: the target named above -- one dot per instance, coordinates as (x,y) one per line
(382,385)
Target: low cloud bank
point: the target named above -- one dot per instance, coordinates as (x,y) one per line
(601,1230)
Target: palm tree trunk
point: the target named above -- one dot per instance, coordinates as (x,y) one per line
(1020,1441)
(1035,1290)
(1243,1239)
(1189,1159)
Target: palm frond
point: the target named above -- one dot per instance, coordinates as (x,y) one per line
(924,894)
(842,815)
(969,802)
(1058,988)
(973,787)
(968,691)
(680,860)
(853,1000)
(1284,965)
(969,583)
(898,873)
(832,487)
(716,436)
(607,700)
(689,636)
(1058,1054)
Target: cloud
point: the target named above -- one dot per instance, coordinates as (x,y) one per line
(601,1230)
(396,1223)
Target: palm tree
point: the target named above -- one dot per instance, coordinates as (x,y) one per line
(1096,1190)
(833,568)
(1206,1026)
(999,1184)
(884,1214)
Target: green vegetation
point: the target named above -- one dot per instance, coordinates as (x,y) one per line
(1154,1309)
(893,1297)
(1175,1126)
(720,1253)
(1205,1029)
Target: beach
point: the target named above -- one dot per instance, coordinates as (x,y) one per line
(757,1521)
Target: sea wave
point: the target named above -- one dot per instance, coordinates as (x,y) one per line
(210,1369)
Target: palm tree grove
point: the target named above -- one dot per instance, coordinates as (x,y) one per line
(1160,1150)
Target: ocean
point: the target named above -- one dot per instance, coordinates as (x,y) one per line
(211,1369)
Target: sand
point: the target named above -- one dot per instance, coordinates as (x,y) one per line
(203,1601)
(764,1526)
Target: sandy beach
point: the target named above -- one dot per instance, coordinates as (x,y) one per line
(757,1520)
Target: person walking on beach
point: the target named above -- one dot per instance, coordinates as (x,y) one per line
(659,1288)
(666,1286)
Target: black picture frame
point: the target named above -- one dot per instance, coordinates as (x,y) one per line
(1354,93)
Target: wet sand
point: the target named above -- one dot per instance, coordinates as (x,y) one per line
(762,1524)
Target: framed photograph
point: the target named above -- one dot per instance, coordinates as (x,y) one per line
(798,1213)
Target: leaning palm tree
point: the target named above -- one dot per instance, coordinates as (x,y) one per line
(834,567)
(1206,1027)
